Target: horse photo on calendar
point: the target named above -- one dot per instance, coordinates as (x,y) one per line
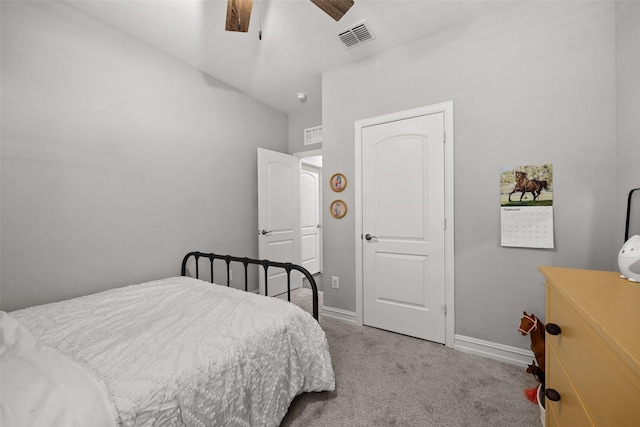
(526,185)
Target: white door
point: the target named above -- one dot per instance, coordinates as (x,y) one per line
(310,221)
(278,217)
(403,208)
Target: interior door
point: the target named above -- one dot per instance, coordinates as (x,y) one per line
(403,207)
(278,217)
(310,219)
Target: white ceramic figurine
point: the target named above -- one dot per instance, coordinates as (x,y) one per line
(629,259)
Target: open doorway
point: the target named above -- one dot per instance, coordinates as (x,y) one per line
(311,212)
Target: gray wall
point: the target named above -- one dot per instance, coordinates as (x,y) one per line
(534,83)
(116,159)
(628,110)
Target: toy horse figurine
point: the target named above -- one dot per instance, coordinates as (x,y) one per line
(536,372)
(530,325)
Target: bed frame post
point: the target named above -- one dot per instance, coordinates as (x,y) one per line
(288,270)
(245,262)
(265,264)
(227,259)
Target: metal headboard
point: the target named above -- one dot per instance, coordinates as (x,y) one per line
(287,266)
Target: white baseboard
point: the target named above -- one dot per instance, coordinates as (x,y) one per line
(492,350)
(503,353)
(338,313)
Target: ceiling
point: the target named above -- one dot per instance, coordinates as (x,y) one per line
(298,43)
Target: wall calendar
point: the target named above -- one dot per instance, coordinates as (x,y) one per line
(526,203)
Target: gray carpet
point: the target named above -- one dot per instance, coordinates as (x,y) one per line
(387,379)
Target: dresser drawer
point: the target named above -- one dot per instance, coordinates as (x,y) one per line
(607,386)
(569,410)
(551,420)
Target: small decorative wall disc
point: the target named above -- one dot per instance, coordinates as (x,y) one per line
(338,209)
(338,182)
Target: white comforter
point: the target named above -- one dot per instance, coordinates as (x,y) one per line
(43,388)
(181,351)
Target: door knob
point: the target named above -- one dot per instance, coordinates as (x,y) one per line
(263,232)
(553,329)
(552,394)
(369,236)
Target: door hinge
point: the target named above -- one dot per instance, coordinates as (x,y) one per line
(445,223)
(444,309)
(444,137)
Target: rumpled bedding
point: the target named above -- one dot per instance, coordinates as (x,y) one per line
(181,351)
(41,387)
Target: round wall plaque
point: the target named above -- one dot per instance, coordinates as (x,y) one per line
(338,209)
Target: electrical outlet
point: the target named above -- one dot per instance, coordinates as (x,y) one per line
(335,282)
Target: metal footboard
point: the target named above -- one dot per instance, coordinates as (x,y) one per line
(266,264)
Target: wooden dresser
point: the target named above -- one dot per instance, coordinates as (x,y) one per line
(593,360)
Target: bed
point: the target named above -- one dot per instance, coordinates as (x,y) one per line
(171,352)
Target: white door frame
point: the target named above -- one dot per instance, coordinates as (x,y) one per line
(447,109)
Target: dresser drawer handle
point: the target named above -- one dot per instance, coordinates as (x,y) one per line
(552,394)
(553,329)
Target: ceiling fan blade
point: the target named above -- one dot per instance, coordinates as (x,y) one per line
(238,15)
(334,8)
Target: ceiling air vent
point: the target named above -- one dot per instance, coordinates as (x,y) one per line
(355,35)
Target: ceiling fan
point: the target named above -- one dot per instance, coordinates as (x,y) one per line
(239,12)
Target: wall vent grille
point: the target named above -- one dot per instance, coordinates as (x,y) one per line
(355,35)
(313,135)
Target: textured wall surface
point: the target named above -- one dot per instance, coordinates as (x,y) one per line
(116,158)
(531,84)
